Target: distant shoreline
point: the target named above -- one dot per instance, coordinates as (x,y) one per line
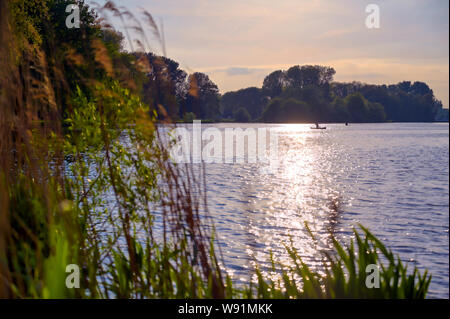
(305,123)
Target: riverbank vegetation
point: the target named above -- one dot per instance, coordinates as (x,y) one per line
(86,180)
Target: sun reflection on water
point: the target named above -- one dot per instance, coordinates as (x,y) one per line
(299,196)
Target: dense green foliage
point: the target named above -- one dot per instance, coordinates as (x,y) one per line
(242,115)
(252,99)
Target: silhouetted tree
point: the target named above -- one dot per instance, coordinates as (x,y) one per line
(165,88)
(315,75)
(203,97)
(274,83)
(252,99)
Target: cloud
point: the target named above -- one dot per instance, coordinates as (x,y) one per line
(239,71)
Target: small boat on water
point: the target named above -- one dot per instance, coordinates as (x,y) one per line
(317,127)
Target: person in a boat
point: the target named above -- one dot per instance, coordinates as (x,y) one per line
(317,125)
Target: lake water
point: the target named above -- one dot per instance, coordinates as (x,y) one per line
(391,178)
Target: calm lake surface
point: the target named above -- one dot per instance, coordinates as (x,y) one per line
(391,178)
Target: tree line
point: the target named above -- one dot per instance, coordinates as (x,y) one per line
(300,94)
(309,94)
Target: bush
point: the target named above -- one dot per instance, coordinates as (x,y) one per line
(242,116)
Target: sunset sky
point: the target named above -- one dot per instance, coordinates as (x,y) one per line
(238,42)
